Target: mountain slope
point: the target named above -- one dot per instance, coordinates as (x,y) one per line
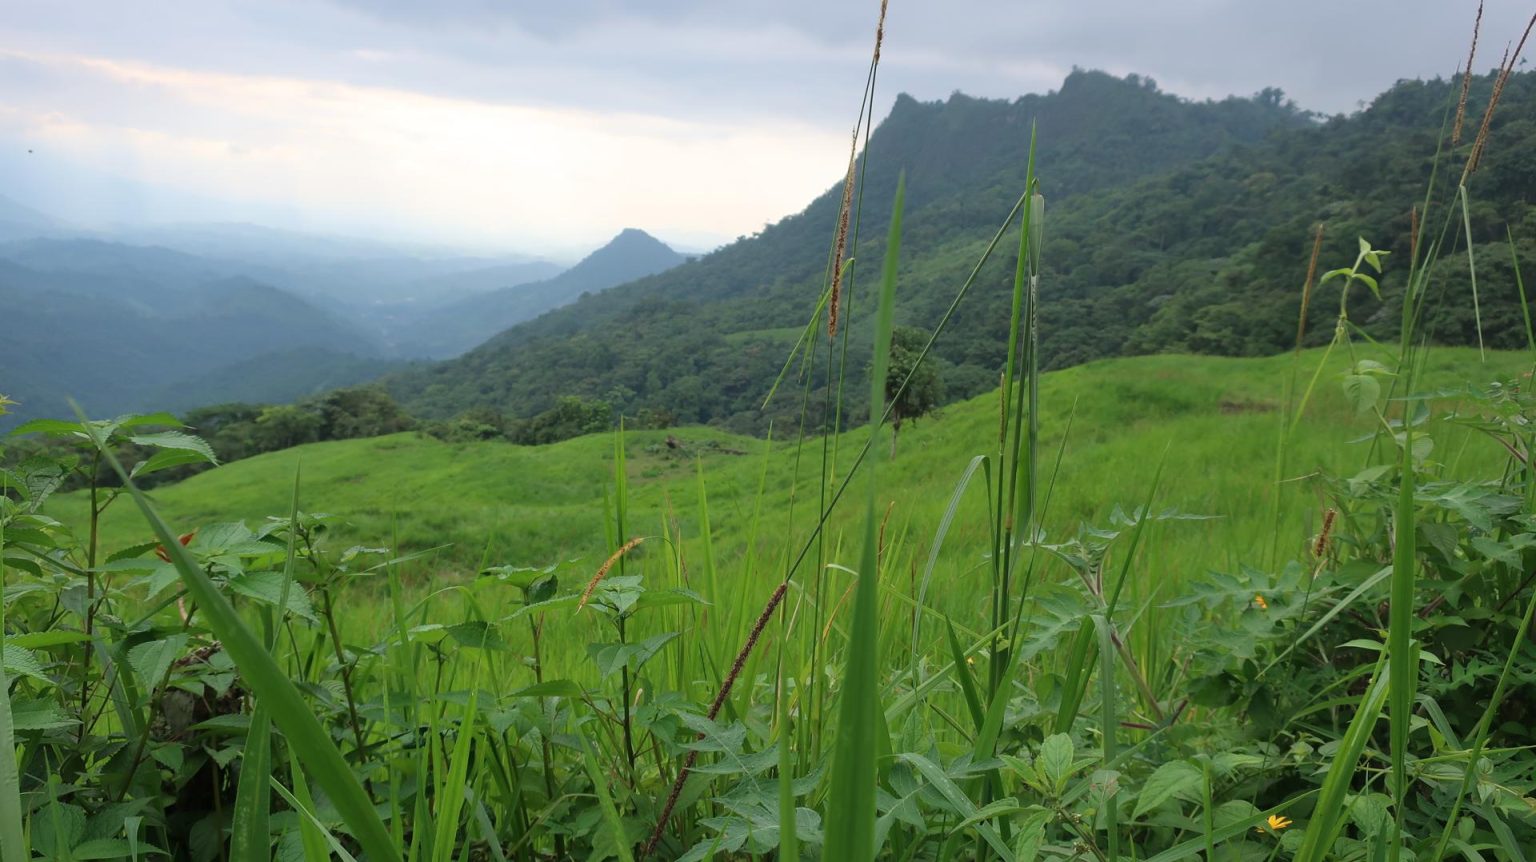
(1169,225)
(458,326)
(704,341)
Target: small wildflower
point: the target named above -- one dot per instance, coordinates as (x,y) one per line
(165,555)
(1258,599)
(1275,823)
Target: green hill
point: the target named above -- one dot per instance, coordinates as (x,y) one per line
(1214,420)
(1170,226)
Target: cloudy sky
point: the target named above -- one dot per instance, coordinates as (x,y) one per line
(545,126)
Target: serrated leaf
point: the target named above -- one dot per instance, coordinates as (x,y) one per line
(38,715)
(477,634)
(51,427)
(166,458)
(267,587)
(20,661)
(43,640)
(151,660)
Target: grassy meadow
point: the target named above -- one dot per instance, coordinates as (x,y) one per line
(1208,425)
(1155,608)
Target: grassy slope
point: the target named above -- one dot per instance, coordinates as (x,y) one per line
(1213,419)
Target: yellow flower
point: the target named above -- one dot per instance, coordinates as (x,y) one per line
(1276,823)
(1258,599)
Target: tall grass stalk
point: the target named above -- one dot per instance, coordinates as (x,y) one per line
(851,809)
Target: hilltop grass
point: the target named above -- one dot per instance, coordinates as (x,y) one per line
(1209,422)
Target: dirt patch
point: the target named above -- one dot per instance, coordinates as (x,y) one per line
(1237,405)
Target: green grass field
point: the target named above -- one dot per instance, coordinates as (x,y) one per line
(1212,423)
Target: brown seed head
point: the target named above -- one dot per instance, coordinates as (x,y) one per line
(1320,547)
(1466,79)
(602,570)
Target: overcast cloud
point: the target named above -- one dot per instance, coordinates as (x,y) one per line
(547,126)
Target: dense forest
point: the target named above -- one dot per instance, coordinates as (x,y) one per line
(1171,226)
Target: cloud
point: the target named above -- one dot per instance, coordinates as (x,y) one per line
(556,177)
(706,117)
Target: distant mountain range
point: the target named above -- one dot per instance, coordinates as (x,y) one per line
(451,329)
(256,315)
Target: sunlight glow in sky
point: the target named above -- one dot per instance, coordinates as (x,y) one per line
(547,127)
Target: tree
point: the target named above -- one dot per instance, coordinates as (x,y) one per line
(923,392)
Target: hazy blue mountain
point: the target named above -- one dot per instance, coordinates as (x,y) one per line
(111,325)
(19,221)
(456,327)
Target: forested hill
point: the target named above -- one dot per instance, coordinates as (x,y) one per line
(1169,225)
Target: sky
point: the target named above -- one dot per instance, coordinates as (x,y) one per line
(546,127)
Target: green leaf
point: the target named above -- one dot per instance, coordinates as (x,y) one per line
(1362,391)
(1026,848)
(111,848)
(1176,779)
(550,688)
(1055,761)
(175,440)
(51,427)
(959,803)
(610,657)
(38,715)
(268,588)
(166,458)
(476,634)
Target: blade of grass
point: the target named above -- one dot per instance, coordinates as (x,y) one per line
(250,837)
(789,840)
(1402,649)
(1328,816)
(604,798)
(308,740)
(13,842)
(851,813)
(1109,724)
(319,843)
(451,791)
(312,835)
(962,671)
(250,827)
